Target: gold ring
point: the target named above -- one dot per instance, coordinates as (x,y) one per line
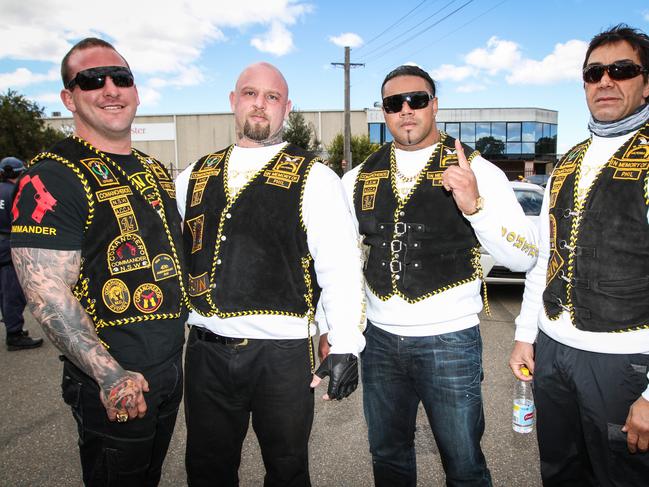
(122,417)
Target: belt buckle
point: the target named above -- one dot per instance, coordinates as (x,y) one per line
(243,343)
(395,266)
(396,245)
(399,229)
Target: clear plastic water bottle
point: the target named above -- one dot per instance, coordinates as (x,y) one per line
(523,417)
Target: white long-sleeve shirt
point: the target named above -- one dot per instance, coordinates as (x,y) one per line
(501,227)
(532,315)
(332,244)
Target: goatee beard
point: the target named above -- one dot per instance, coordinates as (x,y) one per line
(257,131)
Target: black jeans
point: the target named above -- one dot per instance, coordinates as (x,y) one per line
(582,400)
(131,453)
(225,385)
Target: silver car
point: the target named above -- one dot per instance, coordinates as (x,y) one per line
(530,197)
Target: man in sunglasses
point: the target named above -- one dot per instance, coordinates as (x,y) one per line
(96,244)
(586,302)
(424,204)
(267,231)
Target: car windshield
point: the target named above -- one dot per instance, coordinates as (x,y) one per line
(530,201)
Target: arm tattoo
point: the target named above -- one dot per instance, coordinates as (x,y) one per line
(47,278)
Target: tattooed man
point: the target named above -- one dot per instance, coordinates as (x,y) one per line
(94,245)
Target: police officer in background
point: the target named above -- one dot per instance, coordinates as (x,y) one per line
(12,299)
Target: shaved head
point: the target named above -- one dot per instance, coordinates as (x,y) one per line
(260,104)
(265,70)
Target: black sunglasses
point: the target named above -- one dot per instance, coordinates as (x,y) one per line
(95,78)
(619,70)
(415,99)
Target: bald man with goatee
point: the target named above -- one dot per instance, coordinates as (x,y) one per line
(267,234)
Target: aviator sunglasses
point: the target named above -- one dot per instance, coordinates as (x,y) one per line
(618,71)
(415,99)
(95,78)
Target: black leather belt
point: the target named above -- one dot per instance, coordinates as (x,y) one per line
(207,336)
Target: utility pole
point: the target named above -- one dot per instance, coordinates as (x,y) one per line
(347,134)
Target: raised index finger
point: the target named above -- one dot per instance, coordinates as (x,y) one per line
(461,158)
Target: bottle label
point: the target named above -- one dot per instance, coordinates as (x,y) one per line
(523,413)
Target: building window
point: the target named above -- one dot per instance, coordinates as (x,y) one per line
(499,131)
(482,130)
(375,130)
(529,132)
(453,129)
(514,148)
(467,132)
(513,132)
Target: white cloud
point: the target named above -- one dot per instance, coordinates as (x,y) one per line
(192,76)
(471,88)
(47,98)
(563,64)
(453,73)
(498,56)
(24,77)
(347,39)
(148,96)
(505,58)
(645,14)
(278,40)
(155,36)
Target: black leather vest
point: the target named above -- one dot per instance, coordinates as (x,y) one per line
(599,249)
(248,254)
(420,246)
(131,269)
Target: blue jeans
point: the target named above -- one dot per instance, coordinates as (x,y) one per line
(444,373)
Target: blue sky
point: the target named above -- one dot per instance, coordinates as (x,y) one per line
(186,55)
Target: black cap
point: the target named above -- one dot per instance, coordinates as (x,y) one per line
(13,163)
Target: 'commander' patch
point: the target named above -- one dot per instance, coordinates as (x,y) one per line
(127,253)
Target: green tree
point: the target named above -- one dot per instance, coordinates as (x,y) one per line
(362,148)
(23,132)
(490,146)
(299,132)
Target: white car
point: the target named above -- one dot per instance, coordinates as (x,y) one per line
(530,197)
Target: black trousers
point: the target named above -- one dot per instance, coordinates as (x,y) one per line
(225,384)
(124,454)
(12,299)
(582,400)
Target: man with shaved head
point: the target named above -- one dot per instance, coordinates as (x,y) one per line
(267,233)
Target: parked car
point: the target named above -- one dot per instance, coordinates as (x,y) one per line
(530,197)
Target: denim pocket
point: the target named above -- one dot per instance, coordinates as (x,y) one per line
(463,338)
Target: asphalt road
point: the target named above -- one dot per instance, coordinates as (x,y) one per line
(38,435)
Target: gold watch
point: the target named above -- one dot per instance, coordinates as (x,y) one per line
(479,205)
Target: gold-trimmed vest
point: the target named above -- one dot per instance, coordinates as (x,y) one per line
(248,254)
(598,268)
(419,246)
(131,269)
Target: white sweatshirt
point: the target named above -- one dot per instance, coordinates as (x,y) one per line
(533,317)
(332,244)
(457,308)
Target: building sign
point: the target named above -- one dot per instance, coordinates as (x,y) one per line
(153,131)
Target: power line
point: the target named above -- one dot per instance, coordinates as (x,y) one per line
(427,46)
(392,25)
(423,30)
(407,31)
